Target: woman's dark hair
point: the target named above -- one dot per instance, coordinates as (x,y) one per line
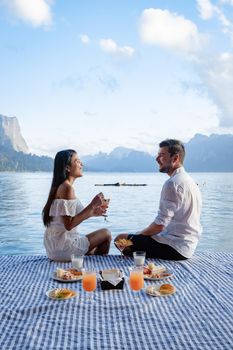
(174,147)
(61,160)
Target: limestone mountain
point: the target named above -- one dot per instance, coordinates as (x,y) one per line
(212,153)
(14,152)
(10,134)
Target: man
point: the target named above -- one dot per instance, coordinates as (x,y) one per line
(175,232)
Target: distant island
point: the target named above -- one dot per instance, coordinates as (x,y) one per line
(212,153)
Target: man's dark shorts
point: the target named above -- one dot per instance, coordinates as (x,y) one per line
(153,248)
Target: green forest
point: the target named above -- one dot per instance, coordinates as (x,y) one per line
(11,160)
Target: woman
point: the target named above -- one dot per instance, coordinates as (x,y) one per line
(63,212)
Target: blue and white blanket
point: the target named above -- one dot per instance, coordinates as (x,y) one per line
(198,316)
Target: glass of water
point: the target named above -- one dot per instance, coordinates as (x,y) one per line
(139,258)
(77,261)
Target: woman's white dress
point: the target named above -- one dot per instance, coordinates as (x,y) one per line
(60,243)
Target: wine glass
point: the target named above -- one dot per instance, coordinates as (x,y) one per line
(89,282)
(121,248)
(136,280)
(104,205)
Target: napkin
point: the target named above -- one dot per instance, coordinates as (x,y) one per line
(113,276)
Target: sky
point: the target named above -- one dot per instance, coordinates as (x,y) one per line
(96,74)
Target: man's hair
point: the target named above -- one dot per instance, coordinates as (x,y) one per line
(174,147)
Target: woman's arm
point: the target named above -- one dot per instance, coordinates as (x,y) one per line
(92,209)
(71,222)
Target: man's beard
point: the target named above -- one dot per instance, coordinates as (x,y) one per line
(165,169)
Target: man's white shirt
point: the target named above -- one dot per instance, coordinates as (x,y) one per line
(179,212)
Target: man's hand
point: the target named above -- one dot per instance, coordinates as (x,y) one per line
(151,230)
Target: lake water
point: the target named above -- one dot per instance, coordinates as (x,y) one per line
(23,195)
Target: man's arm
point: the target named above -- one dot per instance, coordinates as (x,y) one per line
(169,202)
(151,230)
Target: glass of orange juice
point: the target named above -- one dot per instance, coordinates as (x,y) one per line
(89,282)
(136,280)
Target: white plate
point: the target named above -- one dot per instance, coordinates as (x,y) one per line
(163,276)
(154,291)
(49,294)
(78,278)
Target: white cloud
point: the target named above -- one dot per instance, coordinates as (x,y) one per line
(217,74)
(230,2)
(206,9)
(109,46)
(161,27)
(36,12)
(84,38)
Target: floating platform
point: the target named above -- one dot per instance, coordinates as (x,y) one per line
(120,184)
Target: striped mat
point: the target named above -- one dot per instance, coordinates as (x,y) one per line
(198,316)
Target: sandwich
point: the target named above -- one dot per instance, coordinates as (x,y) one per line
(123,242)
(63,293)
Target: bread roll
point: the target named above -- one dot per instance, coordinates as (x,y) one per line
(167,288)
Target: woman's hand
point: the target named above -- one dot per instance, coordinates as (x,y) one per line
(96,206)
(97,201)
(99,211)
